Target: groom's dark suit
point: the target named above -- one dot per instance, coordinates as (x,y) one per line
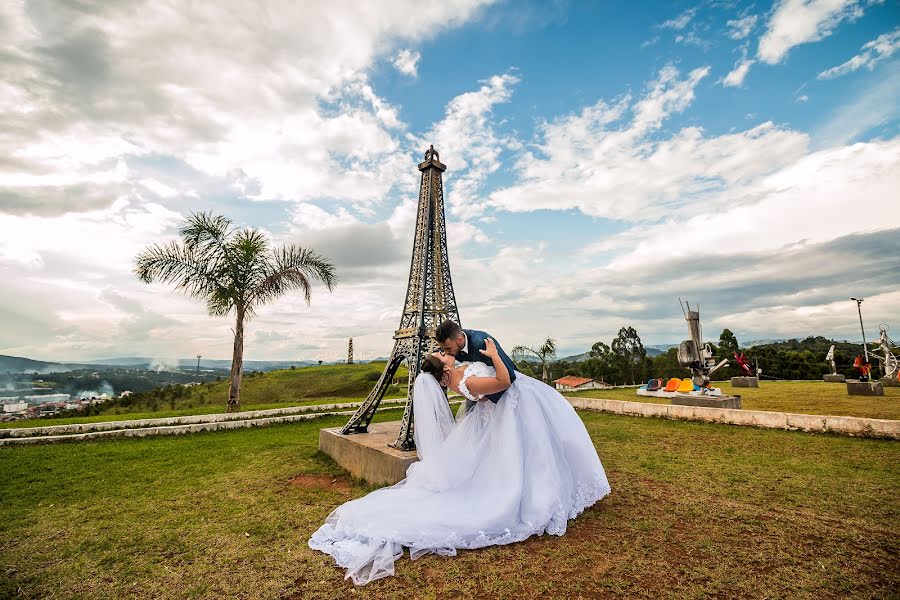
(476,340)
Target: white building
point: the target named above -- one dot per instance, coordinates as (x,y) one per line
(14,408)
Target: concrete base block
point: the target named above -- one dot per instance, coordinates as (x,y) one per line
(889,382)
(708,401)
(835,378)
(865,388)
(368,455)
(747,382)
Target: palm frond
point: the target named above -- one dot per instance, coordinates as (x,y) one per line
(293,267)
(175,264)
(524,351)
(205,230)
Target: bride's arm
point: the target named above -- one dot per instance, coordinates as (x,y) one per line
(490,385)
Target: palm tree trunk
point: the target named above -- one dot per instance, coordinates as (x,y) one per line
(237,365)
(545,375)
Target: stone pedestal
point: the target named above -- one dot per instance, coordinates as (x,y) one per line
(707,401)
(889,382)
(367,455)
(835,378)
(864,388)
(747,382)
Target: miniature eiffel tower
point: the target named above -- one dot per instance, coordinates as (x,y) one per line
(429,302)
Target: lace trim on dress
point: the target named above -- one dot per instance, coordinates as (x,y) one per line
(471,370)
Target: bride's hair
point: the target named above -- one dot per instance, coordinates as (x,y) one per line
(433,366)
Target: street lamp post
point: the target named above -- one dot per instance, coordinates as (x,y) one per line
(198,365)
(859,310)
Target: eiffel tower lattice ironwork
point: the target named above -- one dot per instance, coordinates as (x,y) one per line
(429,301)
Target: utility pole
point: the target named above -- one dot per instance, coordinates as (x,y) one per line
(861,328)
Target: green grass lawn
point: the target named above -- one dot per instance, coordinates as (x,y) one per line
(807,397)
(697,510)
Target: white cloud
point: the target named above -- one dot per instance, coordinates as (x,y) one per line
(736,77)
(872,106)
(794,206)
(872,53)
(236,90)
(741,28)
(607,166)
(406,61)
(469,143)
(795,22)
(681,21)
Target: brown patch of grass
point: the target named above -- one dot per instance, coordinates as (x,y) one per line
(321,482)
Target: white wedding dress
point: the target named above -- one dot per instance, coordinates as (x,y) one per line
(504,472)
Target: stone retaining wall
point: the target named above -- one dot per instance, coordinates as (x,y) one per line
(853,426)
(185,420)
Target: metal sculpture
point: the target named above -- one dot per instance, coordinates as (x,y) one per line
(693,354)
(744,364)
(888,361)
(829,358)
(350,352)
(429,301)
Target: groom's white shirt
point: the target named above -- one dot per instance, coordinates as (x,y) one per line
(466,347)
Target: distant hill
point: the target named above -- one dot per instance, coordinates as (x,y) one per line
(163,364)
(752,343)
(18,364)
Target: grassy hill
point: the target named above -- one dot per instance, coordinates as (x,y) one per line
(288,386)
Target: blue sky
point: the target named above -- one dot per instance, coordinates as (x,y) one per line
(603,160)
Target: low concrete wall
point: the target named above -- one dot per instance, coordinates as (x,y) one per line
(176,425)
(164,429)
(853,426)
(186,420)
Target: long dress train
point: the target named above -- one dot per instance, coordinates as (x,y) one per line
(506,471)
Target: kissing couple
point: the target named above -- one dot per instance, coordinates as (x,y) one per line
(516,462)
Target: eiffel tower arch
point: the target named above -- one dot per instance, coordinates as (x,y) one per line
(429,302)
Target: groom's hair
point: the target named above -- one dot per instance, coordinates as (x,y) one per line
(447,330)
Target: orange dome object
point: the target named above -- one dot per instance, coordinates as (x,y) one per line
(686,385)
(673,384)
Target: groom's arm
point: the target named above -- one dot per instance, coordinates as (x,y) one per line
(510,365)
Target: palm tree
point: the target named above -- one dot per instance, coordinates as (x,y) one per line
(232,269)
(545,353)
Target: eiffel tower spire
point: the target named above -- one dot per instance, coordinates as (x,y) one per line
(429,301)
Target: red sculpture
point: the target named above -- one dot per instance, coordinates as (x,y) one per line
(864,368)
(743,363)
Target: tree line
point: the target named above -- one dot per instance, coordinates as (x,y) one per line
(625,361)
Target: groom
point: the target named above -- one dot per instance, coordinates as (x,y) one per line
(465,346)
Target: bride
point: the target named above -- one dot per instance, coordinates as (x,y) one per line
(500,474)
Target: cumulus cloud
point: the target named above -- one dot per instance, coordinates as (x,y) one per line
(795,22)
(469,141)
(610,161)
(407,62)
(736,76)
(235,89)
(738,29)
(871,54)
(681,21)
